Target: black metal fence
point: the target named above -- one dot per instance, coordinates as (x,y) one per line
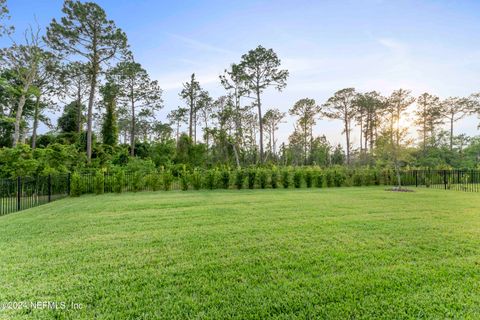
(130,182)
(461,180)
(27,192)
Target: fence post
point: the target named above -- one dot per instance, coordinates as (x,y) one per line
(68,183)
(49,188)
(19,191)
(445,179)
(416,178)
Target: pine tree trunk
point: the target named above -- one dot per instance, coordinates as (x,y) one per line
(35,123)
(259,105)
(79,110)
(451,133)
(132,134)
(347,135)
(190,123)
(91,99)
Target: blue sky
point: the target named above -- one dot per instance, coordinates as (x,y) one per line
(379,45)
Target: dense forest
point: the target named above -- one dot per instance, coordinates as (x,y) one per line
(82,69)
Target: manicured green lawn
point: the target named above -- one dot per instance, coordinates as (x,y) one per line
(320,253)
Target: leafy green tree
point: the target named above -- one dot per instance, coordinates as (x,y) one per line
(370,109)
(109,126)
(45,87)
(74,85)
(342,106)
(320,151)
(259,69)
(271,120)
(85,31)
(191,93)
(396,106)
(4,15)
(136,92)
(232,82)
(10,94)
(24,60)
(205,108)
(162,131)
(68,121)
(338,155)
(177,117)
(428,118)
(455,109)
(306,110)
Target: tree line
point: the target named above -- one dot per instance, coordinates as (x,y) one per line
(82,67)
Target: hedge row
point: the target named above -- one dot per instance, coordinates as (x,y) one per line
(251,178)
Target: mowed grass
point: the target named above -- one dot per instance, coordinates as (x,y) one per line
(357,253)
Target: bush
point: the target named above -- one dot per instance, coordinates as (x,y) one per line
(286,178)
(119,181)
(376,178)
(319,179)
(262,178)
(184,177)
(137,181)
(368,177)
(99,182)
(196,179)
(76,187)
(225,178)
(428,182)
(297,178)
(211,179)
(339,178)
(239,178)
(357,179)
(274,178)
(167,180)
(251,175)
(309,178)
(153,181)
(329,178)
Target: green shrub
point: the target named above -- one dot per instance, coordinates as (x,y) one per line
(376,178)
(196,179)
(99,182)
(274,178)
(339,178)
(76,187)
(368,178)
(286,178)
(239,178)
(153,181)
(357,179)
(225,178)
(297,178)
(309,178)
(251,176)
(109,181)
(428,182)
(184,179)
(329,178)
(137,181)
(167,180)
(262,178)
(211,179)
(319,179)
(119,181)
